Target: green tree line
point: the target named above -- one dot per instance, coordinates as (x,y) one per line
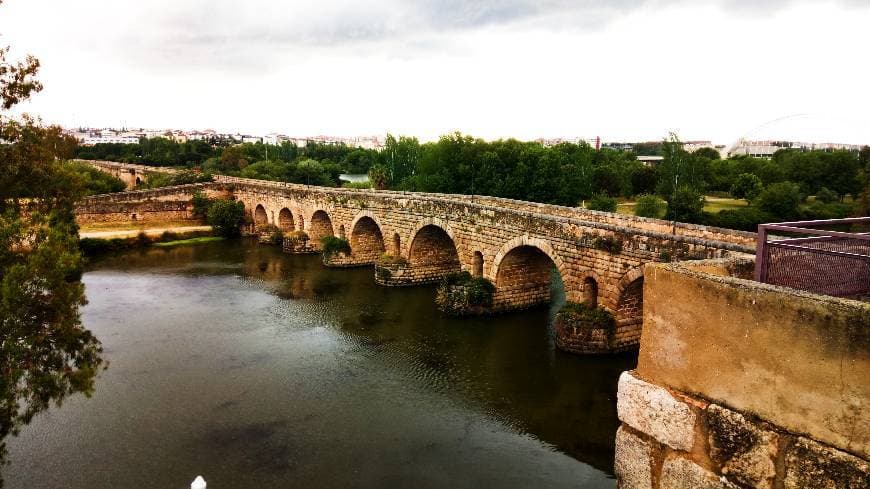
(565,174)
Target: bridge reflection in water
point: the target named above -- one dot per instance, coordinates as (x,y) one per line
(504,368)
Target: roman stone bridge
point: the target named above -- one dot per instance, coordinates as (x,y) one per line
(519,246)
(131,175)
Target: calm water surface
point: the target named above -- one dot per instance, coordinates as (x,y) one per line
(258,369)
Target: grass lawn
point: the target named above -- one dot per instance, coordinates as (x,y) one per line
(714,205)
(718,204)
(112,226)
(190,241)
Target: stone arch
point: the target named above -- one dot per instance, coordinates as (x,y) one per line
(522,272)
(430,221)
(477,264)
(629,307)
(261,218)
(285,220)
(319,226)
(526,240)
(366,239)
(432,253)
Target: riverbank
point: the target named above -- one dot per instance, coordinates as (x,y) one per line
(133,232)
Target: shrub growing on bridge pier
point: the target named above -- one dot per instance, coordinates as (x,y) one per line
(461,294)
(584,329)
(332,245)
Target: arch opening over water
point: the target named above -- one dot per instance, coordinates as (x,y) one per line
(319,227)
(261,219)
(285,220)
(366,240)
(629,308)
(526,277)
(433,253)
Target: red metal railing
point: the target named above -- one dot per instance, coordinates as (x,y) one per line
(812,256)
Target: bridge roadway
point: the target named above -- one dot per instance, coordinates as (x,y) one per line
(598,256)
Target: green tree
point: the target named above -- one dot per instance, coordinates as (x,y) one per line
(709,153)
(93,181)
(746,186)
(379,176)
(862,203)
(45,352)
(650,206)
(602,202)
(225,216)
(780,200)
(827,195)
(686,205)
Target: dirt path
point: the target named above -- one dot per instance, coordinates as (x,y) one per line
(129,233)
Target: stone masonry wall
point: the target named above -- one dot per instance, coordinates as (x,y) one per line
(136,212)
(671,440)
(741,384)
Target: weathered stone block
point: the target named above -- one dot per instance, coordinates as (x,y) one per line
(633,463)
(653,410)
(680,473)
(811,464)
(745,451)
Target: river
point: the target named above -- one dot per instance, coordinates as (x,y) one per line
(259,369)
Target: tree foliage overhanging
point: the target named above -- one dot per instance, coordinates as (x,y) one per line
(45,352)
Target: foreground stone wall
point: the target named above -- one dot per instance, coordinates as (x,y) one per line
(741,384)
(672,440)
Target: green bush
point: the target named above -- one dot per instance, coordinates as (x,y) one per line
(389,259)
(608,244)
(332,245)
(826,195)
(780,200)
(821,210)
(480,292)
(225,216)
(744,218)
(94,182)
(357,185)
(276,236)
(650,206)
(201,203)
(459,292)
(582,313)
(686,205)
(602,202)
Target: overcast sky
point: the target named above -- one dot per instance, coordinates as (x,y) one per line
(619,69)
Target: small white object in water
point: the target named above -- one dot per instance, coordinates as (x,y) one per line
(198,483)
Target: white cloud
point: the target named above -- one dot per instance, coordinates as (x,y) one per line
(625,70)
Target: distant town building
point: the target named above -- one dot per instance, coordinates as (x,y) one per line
(650,160)
(766,149)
